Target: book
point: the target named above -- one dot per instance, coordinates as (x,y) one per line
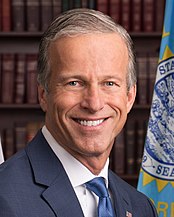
(6,15)
(0,76)
(103,6)
(140,141)
(20,135)
(159,15)
(114,10)
(125,14)
(136,10)
(119,153)
(57,8)
(9,144)
(0,15)
(148,15)
(20,73)
(8,68)
(77,3)
(84,3)
(18,15)
(33,15)
(31,129)
(130,147)
(142,79)
(152,71)
(65,5)
(46,14)
(31,84)
(15,137)
(92,4)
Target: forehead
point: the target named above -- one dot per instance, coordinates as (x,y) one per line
(97,41)
(104,49)
(93,56)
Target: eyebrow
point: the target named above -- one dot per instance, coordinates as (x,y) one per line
(66,76)
(69,76)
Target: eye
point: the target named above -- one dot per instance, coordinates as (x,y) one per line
(110,83)
(73,83)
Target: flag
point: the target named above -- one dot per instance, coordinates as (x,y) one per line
(128,214)
(156,178)
(1,153)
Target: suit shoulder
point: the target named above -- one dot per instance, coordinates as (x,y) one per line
(18,165)
(126,186)
(140,203)
(13,167)
(135,196)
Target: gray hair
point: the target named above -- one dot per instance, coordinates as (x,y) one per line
(81,21)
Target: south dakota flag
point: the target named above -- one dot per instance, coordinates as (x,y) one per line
(156,178)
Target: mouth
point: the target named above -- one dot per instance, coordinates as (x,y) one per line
(90,123)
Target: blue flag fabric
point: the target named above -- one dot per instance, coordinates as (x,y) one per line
(156,178)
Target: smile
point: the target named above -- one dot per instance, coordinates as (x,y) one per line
(90,123)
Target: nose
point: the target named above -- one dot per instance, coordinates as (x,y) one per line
(93,99)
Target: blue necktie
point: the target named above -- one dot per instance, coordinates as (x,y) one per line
(97,185)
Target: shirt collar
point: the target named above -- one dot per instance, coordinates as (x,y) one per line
(76,171)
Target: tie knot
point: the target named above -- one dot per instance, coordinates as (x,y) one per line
(97,185)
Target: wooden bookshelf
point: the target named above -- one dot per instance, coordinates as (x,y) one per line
(20,106)
(27,42)
(131,179)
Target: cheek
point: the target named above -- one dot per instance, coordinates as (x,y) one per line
(119,102)
(63,103)
(120,112)
(120,108)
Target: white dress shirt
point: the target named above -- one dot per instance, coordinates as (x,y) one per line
(78,175)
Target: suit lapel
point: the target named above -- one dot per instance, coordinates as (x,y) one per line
(61,197)
(121,199)
(49,171)
(59,194)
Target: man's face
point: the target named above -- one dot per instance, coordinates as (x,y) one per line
(87,101)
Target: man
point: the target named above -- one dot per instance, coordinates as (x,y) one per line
(87,86)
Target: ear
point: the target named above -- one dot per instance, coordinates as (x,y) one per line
(42,95)
(131,97)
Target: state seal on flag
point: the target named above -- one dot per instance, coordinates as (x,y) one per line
(156,179)
(158,158)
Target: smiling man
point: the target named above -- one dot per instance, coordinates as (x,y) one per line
(86,86)
(87,100)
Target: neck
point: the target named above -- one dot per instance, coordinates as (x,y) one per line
(94,164)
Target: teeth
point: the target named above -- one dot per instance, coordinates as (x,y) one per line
(90,123)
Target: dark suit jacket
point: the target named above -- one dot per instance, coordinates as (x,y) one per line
(33,183)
